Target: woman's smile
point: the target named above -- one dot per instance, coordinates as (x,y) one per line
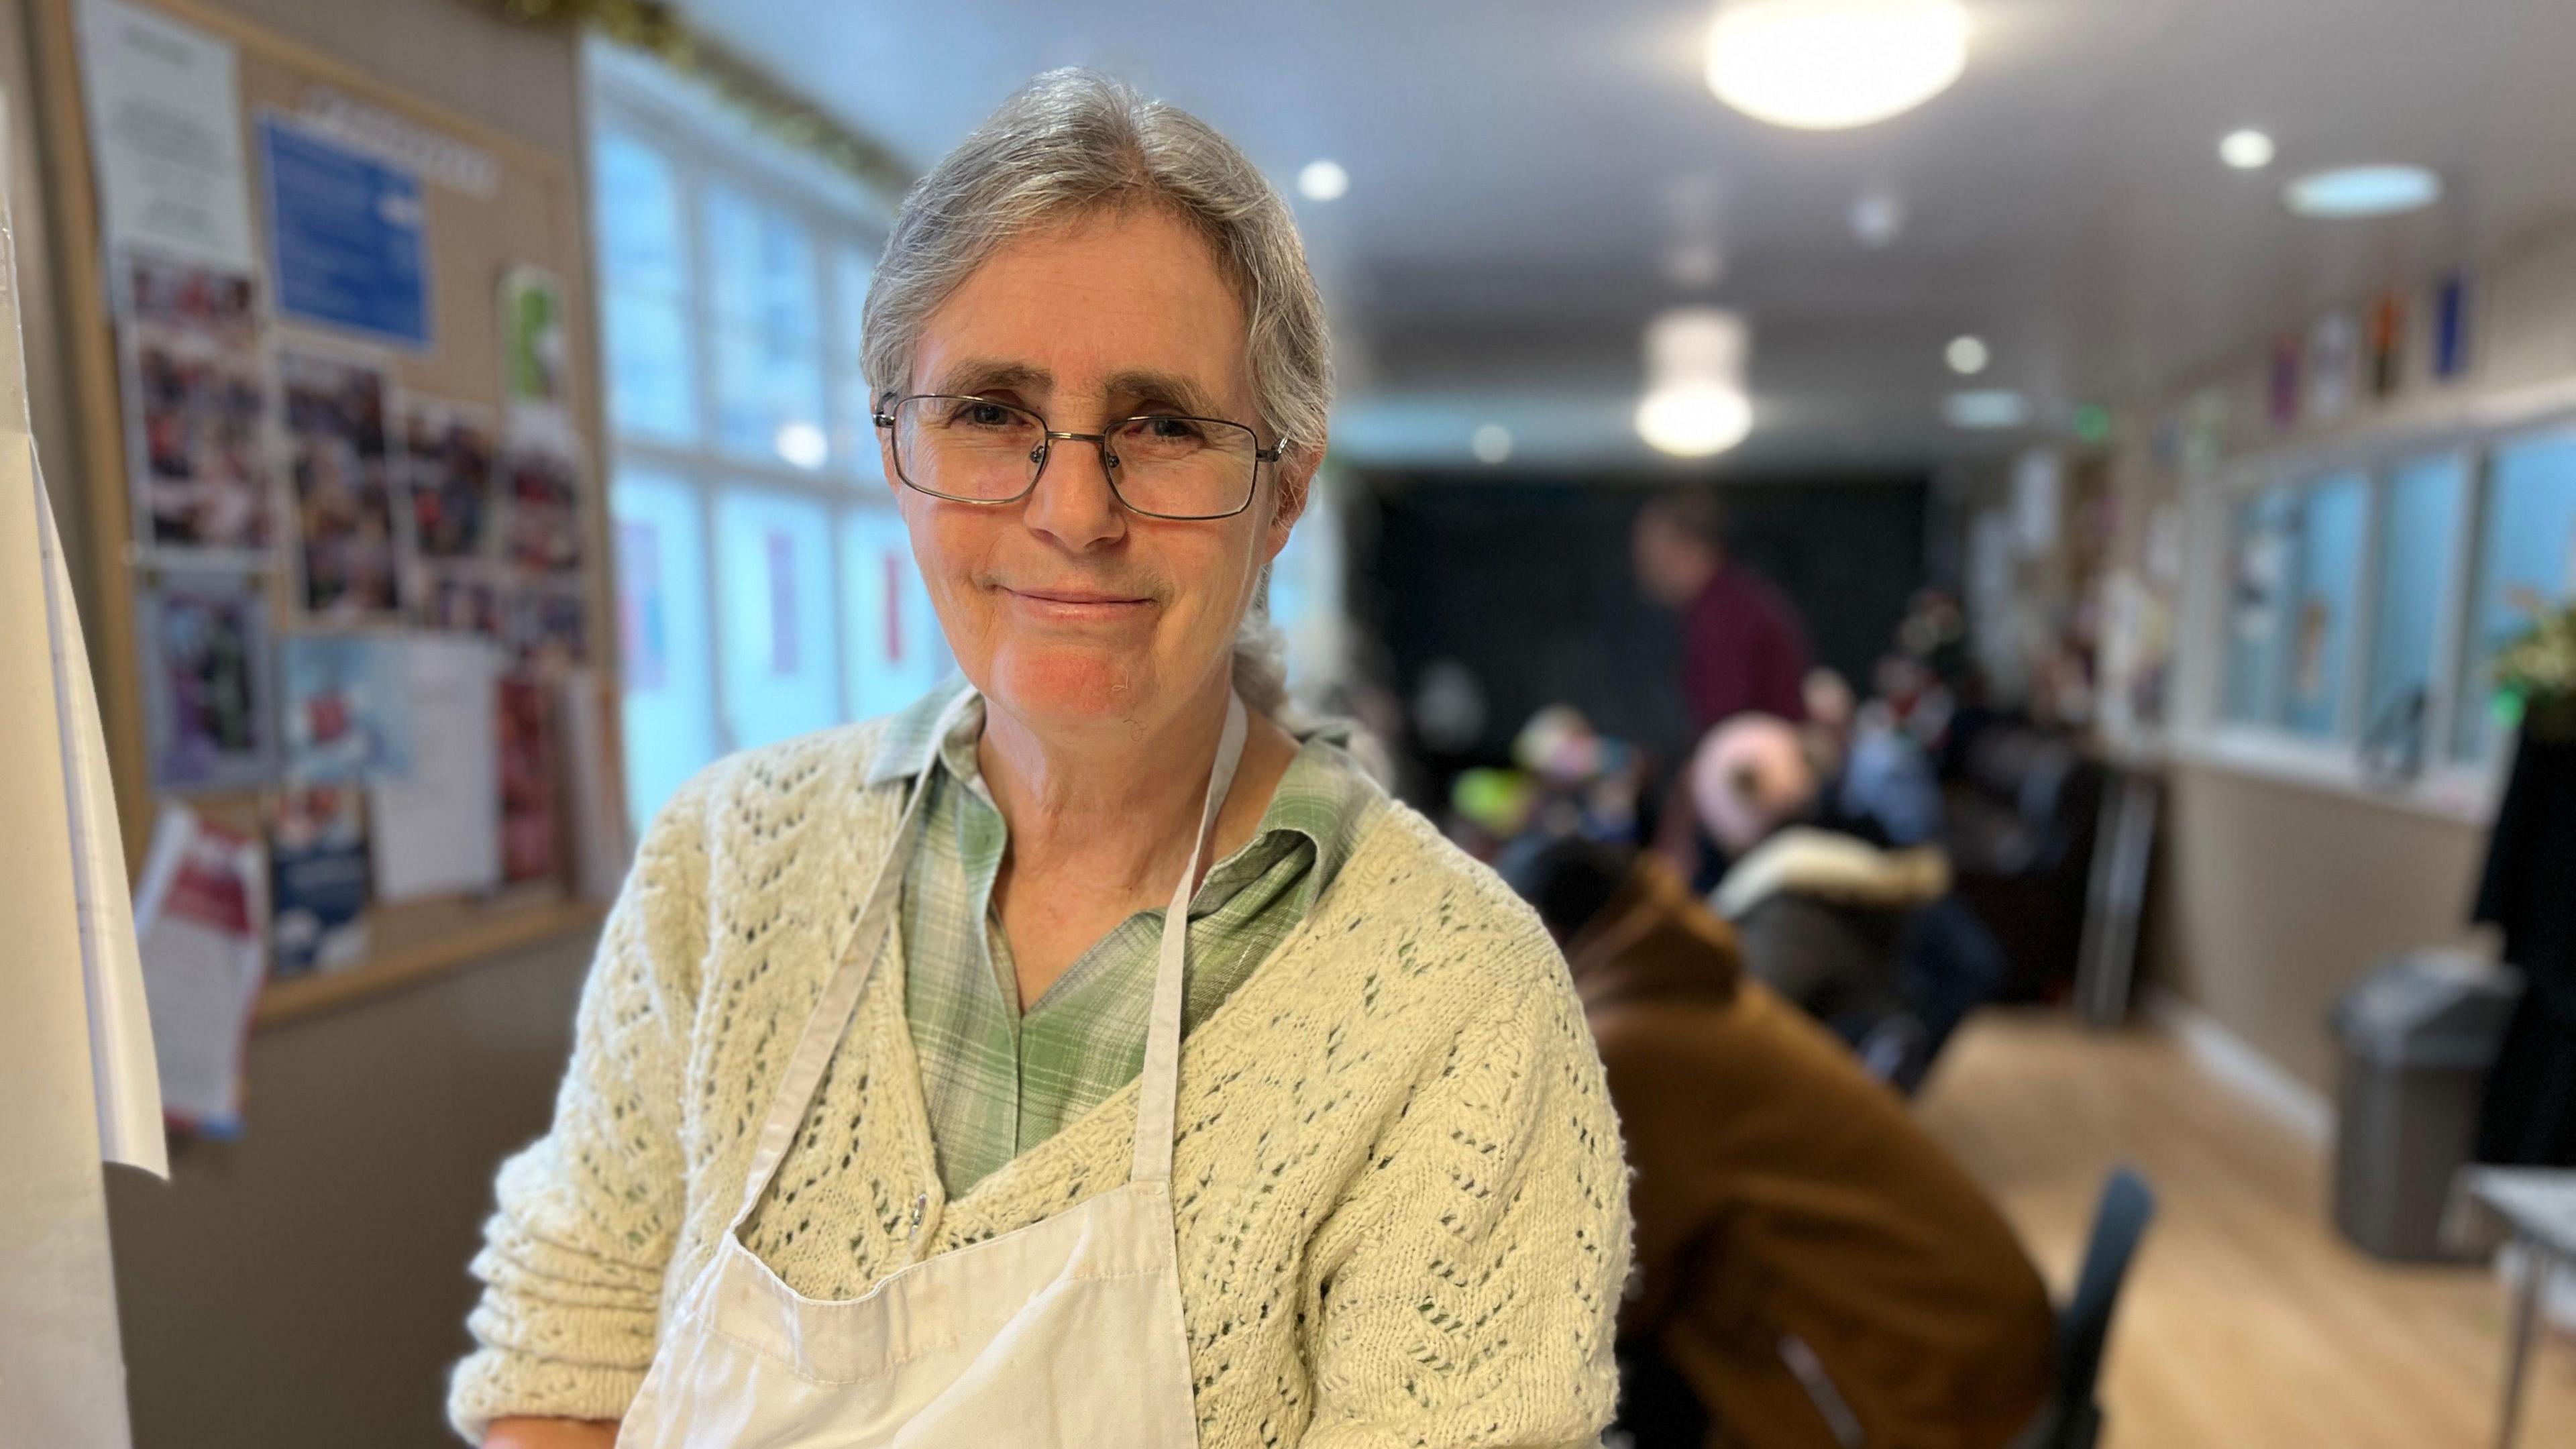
(1074,604)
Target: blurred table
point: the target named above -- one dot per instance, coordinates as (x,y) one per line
(2536,1208)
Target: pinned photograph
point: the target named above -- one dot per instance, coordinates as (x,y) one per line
(317,856)
(336,458)
(446,471)
(530,835)
(347,711)
(197,398)
(548,625)
(205,667)
(459,598)
(541,480)
(536,356)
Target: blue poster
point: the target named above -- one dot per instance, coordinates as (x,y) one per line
(345,236)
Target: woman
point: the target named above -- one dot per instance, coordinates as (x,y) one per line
(879,1129)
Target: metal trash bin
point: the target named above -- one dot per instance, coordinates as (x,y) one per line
(2418,1035)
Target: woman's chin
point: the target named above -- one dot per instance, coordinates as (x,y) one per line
(1069,686)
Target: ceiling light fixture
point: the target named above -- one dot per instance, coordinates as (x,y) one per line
(1877,218)
(1695,404)
(1984,408)
(2362,191)
(1966,355)
(1323,181)
(1824,65)
(1491,444)
(2246,150)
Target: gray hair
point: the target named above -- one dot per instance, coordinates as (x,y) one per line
(1073,142)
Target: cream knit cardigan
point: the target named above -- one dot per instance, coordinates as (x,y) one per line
(1401,1205)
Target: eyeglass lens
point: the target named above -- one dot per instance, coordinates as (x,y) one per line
(979,451)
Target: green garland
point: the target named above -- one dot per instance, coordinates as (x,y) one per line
(659,30)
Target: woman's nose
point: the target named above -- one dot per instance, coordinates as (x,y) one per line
(1073,502)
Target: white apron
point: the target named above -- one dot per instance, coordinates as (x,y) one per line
(1064,1333)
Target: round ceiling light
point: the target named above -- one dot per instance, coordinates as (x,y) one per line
(1694,419)
(1966,355)
(2363,191)
(1823,65)
(1323,181)
(2247,150)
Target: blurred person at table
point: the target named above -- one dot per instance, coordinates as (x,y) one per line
(1822,908)
(1812,1269)
(1079,1056)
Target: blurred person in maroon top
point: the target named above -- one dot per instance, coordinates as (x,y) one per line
(1742,647)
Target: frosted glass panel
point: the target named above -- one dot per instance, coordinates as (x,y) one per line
(644,266)
(2526,555)
(774,608)
(2418,538)
(665,660)
(2258,606)
(2331,517)
(768,345)
(894,649)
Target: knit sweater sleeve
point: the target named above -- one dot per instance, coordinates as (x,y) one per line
(572,1263)
(1464,1294)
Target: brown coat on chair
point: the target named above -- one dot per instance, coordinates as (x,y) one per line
(1783,1198)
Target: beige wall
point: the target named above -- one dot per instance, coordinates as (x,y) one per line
(306,1285)
(2273,897)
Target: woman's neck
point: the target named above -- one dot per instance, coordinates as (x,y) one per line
(1124,801)
(1102,828)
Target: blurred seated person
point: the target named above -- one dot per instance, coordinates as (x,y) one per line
(1812,1269)
(1821,912)
(1878,772)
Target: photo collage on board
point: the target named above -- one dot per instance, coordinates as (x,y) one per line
(303,526)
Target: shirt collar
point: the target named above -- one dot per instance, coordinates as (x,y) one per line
(1321,798)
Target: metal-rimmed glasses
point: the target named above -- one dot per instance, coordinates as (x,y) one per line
(1162,465)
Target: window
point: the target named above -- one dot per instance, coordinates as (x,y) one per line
(644,261)
(2364,606)
(2418,540)
(2331,517)
(765,585)
(2526,560)
(2258,606)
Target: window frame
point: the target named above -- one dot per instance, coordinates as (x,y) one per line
(2472,430)
(705,143)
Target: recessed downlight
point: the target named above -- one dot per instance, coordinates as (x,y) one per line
(1967,356)
(2246,150)
(1323,181)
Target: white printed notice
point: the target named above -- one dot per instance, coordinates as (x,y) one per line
(166,127)
(438,827)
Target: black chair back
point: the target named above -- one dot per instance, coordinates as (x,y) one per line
(2084,1324)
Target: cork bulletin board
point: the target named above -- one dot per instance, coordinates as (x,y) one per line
(376,427)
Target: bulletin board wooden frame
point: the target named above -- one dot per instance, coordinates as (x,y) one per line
(536,216)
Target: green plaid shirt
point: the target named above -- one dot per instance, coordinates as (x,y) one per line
(999,1080)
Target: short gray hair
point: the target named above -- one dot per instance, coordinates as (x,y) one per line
(1073,142)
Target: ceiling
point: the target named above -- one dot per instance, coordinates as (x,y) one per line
(1520,172)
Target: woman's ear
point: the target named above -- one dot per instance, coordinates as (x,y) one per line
(1296,474)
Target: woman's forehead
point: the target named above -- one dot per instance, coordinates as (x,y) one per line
(1130,304)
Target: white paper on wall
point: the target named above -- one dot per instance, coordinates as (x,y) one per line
(165,127)
(437,830)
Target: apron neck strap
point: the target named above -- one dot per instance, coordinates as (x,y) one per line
(1159,1081)
(839,1002)
(1158,1084)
